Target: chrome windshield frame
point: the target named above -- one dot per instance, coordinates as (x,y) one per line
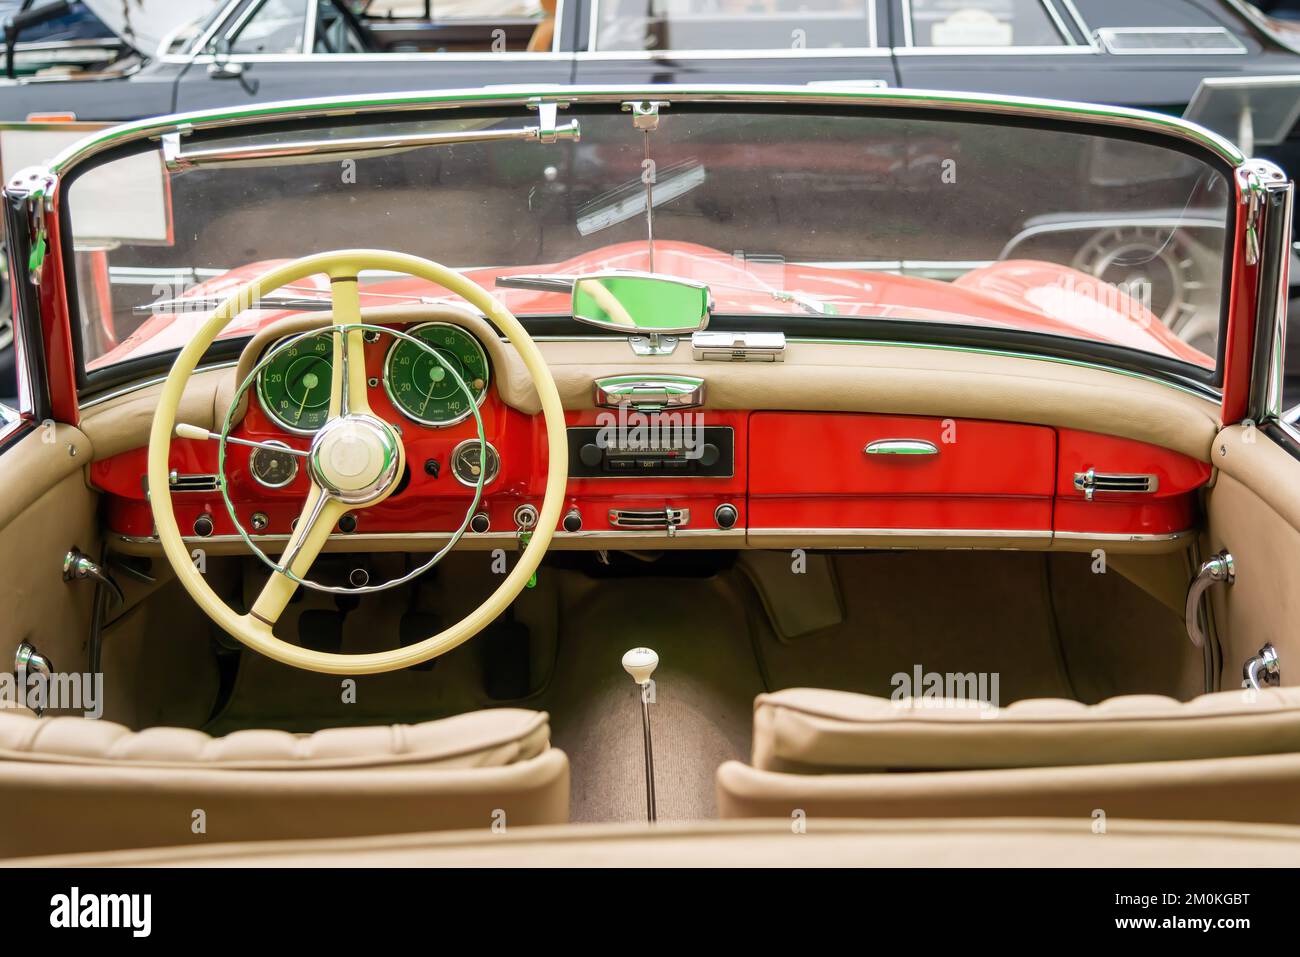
(529,96)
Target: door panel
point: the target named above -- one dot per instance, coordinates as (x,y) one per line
(46,509)
(1254,513)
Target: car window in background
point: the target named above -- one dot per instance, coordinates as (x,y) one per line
(733,24)
(983,23)
(451,9)
(276,26)
(334,33)
(459,26)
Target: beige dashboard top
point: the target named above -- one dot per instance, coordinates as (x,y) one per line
(815,376)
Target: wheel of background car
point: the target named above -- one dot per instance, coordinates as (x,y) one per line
(356,461)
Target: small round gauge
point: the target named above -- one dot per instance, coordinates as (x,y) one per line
(419,384)
(294,387)
(465,463)
(271,467)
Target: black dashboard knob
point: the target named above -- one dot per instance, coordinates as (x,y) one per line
(572,520)
(480,523)
(709,455)
(726,515)
(348,524)
(203,525)
(591,455)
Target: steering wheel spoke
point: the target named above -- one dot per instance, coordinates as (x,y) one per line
(319,516)
(349,394)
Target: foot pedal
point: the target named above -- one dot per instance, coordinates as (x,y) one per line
(321,630)
(507,661)
(414,627)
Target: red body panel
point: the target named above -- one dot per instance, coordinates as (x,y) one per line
(1030,296)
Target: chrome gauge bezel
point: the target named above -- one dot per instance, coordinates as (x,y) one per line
(436,423)
(252,470)
(493,455)
(261,396)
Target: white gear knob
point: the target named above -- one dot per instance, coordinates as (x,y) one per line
(640,663)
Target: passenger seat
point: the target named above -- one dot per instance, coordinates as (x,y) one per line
(1232,755)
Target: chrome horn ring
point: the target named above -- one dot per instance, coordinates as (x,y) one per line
(359,495)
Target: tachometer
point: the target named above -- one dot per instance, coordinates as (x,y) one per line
(294,388)
(419,384)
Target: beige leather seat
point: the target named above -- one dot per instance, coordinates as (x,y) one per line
(72,784)
(1233,755)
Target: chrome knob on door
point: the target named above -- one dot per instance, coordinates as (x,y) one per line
(901,447)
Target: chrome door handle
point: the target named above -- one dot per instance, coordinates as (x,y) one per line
(1220,568)
(901,447)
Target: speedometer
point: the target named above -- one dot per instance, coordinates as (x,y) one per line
(294,387)
(420,385)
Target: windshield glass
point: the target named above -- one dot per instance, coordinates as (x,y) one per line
(905,219)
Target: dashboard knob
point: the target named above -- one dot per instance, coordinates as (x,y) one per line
(572,520)
(726,515)
(709,455)
(348,524)
(591,455)
(203,525)
(480,523)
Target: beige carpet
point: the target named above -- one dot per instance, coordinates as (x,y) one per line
(705,688)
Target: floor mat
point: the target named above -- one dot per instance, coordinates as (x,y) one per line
(945,612)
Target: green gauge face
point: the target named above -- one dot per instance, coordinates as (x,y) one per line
(419,384)
(294,388)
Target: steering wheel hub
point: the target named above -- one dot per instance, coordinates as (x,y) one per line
(355,458)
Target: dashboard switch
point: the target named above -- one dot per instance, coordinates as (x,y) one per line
(479,523)
(203,525)
(726,515)
(572,520)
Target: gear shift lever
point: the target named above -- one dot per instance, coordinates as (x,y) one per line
(641,663)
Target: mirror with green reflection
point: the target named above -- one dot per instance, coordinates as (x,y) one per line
(641,303)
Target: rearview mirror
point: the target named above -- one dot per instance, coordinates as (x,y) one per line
(641,303)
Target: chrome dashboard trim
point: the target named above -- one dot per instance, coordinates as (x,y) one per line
(938,533)
(1066,536)
(430,538)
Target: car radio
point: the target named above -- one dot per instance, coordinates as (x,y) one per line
(704,452)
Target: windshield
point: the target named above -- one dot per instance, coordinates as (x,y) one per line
(898,219)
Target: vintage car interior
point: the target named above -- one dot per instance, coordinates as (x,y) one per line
(446,462)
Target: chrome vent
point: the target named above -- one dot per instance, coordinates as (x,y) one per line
(1114,483)
(1168,40)
(182,482)
(649,519)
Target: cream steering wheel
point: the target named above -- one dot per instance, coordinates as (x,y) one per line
(356,461)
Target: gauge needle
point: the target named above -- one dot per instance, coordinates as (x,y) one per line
(436,374)
(309,382)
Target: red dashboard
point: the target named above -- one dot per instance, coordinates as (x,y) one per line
(791,472)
